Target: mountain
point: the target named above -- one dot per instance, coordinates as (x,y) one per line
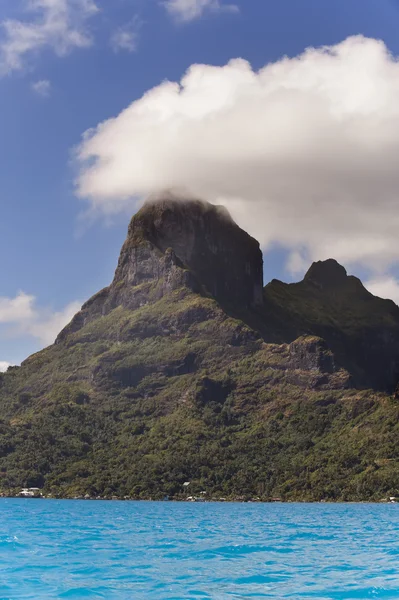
(185,369)
(361,329)
(173,245)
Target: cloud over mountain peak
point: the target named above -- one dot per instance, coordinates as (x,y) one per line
(302,152)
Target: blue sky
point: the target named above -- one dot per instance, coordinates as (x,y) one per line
(68,65)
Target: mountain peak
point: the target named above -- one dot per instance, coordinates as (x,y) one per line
(225,260)
(177,244)
(326,273)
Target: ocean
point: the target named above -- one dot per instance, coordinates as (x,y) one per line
(165,550)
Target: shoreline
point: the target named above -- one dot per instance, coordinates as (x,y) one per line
(213,501)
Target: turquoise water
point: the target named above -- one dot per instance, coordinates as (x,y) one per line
(149,550)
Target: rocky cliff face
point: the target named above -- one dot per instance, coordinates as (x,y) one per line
(224,258)
(172,244)
(310,353)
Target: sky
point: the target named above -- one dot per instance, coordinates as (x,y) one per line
(286,112)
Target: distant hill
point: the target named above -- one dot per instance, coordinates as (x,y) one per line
(185,369)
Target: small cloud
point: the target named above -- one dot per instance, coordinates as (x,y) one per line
(184,11)
(60,25)
(126,37)
(4,366)
(18,309)
(42,88)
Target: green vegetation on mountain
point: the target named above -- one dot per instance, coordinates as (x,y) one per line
(172,375)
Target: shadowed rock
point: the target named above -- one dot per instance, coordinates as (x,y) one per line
(328,273)
(361,330)
(310,353)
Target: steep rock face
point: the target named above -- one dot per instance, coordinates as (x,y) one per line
(152,274)
(314,365)
(310,353)
(174,244)
(361,329)
(224,258)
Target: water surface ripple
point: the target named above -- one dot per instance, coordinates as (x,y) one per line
(169,551)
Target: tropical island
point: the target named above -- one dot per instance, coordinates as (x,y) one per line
(187,377)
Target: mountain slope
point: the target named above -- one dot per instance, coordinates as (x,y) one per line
(156,381)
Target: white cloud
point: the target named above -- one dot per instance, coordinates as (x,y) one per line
(23,318)
(303,152)
(60,25)
(384,287)
(126,37)
(4,366)
(18,309)
(188,10)
(42,88)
